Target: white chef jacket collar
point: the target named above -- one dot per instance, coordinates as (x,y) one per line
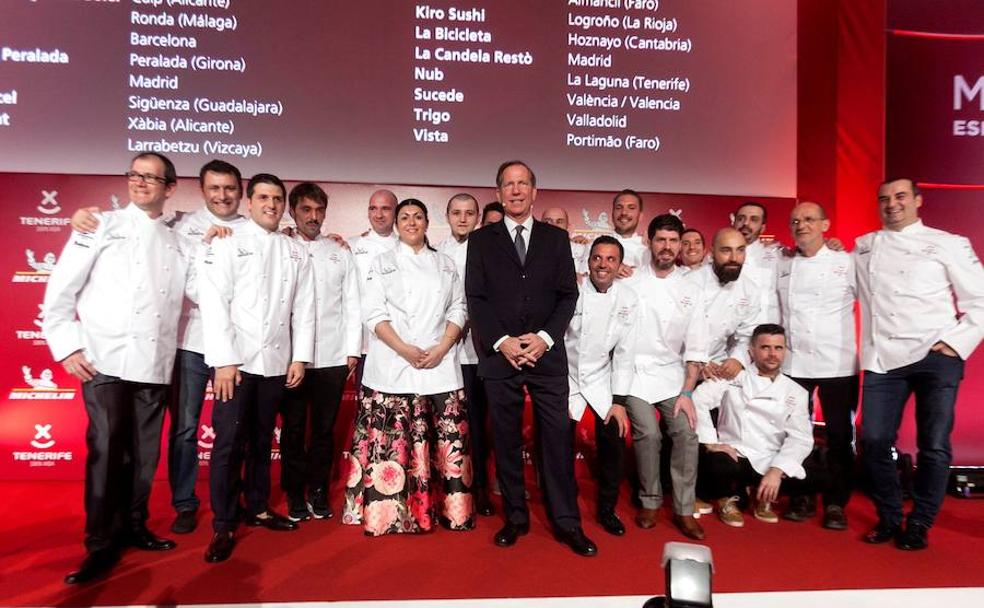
(254,228)
(590,287)
(378,237)
(404,249)
(916,226)
(132,210)
(221,221)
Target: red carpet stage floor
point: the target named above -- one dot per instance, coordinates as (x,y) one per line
(41,535)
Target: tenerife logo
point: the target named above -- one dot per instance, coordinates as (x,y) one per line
(40,269)
(42,441)
(42,438)
(47,208)
(42,387)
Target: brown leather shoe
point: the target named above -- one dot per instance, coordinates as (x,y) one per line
(646,518)
(688,526)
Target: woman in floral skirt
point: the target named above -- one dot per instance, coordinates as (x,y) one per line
(410,463)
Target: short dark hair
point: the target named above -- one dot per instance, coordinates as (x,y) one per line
(695,231)
(170,173)
(768,329)
(264,178)
(665,221)
(629,192)
(915,187)
(219,166)
(462,196)
(493,207)
(608,240)
(511,163)
(308,190)
(765,214)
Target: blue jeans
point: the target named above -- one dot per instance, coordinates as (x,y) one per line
(191,378)
(934,381)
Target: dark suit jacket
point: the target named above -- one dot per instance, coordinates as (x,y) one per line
(506,298)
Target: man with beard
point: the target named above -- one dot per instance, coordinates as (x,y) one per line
(222,190)
(817,291)
(306,462)
(257,301)
(557,216)
(763,432)
(732,305)
(462,216)
(693,254)
(600,342)
(760,259)
(668,356)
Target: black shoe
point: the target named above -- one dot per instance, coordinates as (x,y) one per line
(220,548)
(578,542)
(483,505)
(273,521)
(915,537)
(145,540)
(882,533)
(319,504)
(507,536)
(298,510)
(95,565)
(834,518)
(801,508)
(611,523)
(185,522)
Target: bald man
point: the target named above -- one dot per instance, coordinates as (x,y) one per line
(817,290)
(732,305)
(557,216)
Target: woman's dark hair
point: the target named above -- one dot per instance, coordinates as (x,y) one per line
(419,204)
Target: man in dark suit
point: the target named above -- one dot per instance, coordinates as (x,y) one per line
(522,291)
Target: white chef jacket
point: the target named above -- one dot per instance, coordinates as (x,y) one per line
(364,251)
(600,343)
(338,316)
(193,226)
(671,332)
(636,248)
(906,281)
(816,297)
(731,312)
(419,293)
(126,281)
(257,302)
(467,354)
(760,263)
(767,421)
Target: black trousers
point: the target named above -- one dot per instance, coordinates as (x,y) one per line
(304,463)
(609,461)
(478,425)
(550,409)
(243,436)
(123,441)
(719,476)
(839,401)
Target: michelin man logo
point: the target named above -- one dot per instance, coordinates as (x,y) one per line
(42,438)
(207,438)
(47,263)
(49,205)
(601,224)
(46,380)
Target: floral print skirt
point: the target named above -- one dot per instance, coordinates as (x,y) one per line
(401,444)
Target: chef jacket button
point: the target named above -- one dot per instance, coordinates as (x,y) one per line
(163,292)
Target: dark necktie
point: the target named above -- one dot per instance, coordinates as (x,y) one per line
(520,244)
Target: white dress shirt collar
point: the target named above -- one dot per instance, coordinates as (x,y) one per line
(511,226)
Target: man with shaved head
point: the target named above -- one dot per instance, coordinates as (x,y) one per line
(557,216)
(732,304)
(379,239)
(817,290)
